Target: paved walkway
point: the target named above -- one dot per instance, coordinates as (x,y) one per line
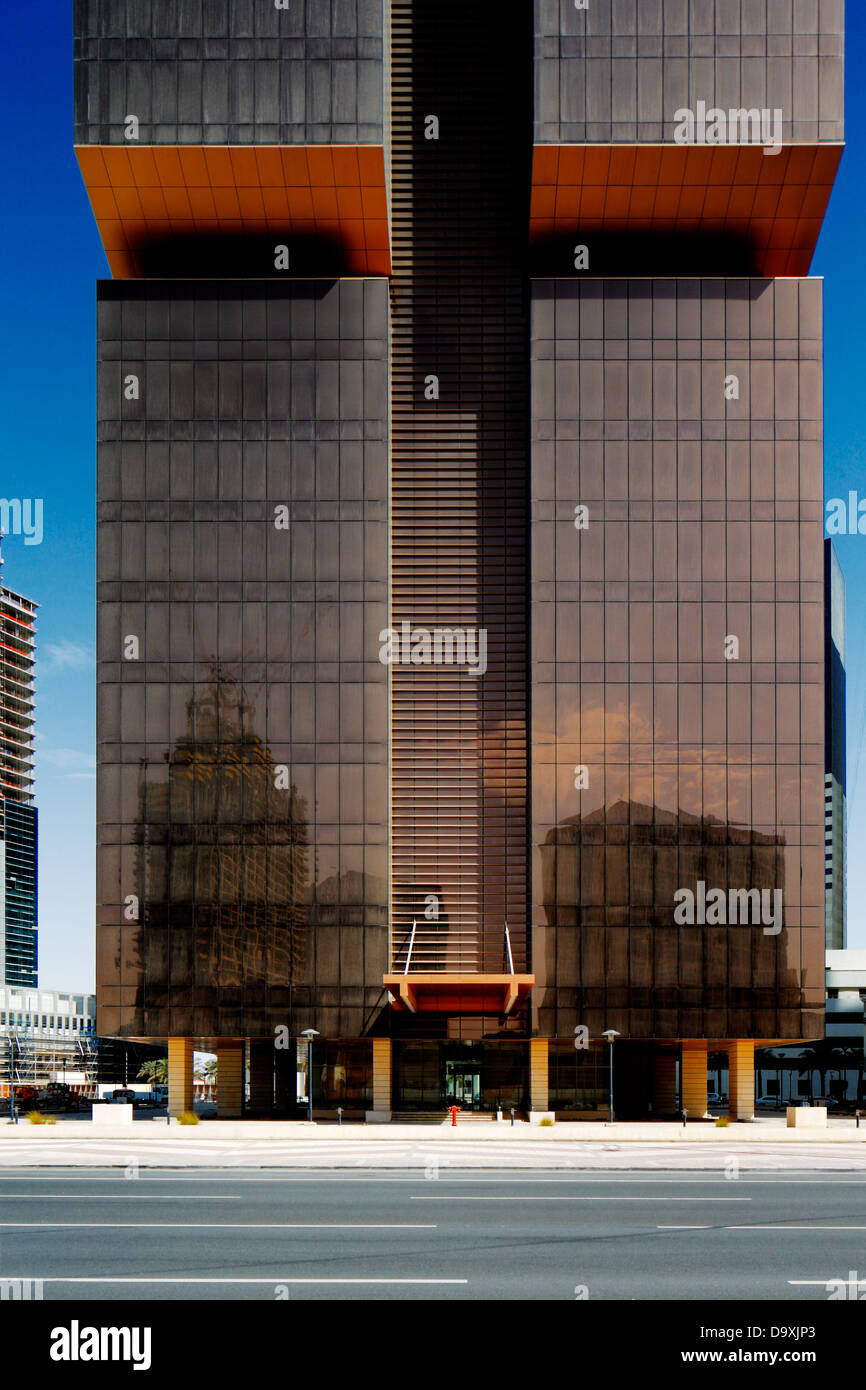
(414,1147)
(147,1129)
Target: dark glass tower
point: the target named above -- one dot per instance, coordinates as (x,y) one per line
(18,815)
(455,630)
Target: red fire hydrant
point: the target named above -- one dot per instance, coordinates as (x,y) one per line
(454,1112)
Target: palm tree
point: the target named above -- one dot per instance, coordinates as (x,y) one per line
(820,1056)
(155,1071)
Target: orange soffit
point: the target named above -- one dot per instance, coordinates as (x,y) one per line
(464,993)
(773,203)
(233,204)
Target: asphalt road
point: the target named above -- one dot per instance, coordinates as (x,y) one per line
(455,1235)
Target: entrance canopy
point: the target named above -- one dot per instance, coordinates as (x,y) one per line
(469,993)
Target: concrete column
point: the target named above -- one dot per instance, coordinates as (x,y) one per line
(693,1077)
(381,1078)
(538,1093)
(664,1084)
(180,1092)
(261,1076)
(230,1079)
(741,1079)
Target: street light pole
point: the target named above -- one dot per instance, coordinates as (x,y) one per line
(610,1034)
(13,1118)
(309,1034)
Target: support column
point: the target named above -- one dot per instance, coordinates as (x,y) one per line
(664,1084)
(261,1077)
(741,1079)
(180,1090)
(230,1079)
(693,1077)
(538,1089)
(381,1080)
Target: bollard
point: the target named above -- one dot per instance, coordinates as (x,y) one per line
(857,1115)
(512,1114)
(685,1118)
(339,1114)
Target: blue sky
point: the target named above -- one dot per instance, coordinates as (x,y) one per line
(52,257)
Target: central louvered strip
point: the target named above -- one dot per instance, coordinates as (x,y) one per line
(459,754)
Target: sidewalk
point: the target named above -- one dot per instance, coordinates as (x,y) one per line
(762,1130)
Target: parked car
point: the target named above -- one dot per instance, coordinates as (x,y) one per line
(715,1099)
(122,1096)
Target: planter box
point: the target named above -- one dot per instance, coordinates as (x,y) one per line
(807,1117)
(112,1114)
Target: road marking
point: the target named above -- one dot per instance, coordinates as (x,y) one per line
(615,1179)
(795,1228)
(801,1229)
(822,1283)
(277,1279)
(211,1226)
(580,1199)
(117,1197)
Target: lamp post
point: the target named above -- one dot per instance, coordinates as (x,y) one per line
(610,1034)
(13,1118)
(309,1034)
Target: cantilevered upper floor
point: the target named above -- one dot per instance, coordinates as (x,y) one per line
(683,121)
(252,124)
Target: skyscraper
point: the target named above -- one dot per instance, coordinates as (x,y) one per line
(18,814)
(835,761)
(461,666)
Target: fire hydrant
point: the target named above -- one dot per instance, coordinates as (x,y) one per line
(454,1111)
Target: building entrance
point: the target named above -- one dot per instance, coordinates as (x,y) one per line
(463,1084)
(484,1076)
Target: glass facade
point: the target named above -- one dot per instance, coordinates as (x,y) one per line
(475,1076)
(343,1074)
(677,630)
(619,71)
(19,864)
(243,713)
(835,753)
(490,595)
(229,72)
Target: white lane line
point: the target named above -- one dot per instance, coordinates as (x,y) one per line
(822,1283)
(801,1229)
(277,1279)
(794,1228)
(116,1197)
(210,1226)
(615,1180)
(580,1199)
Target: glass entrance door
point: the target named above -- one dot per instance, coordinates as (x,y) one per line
(463,1084)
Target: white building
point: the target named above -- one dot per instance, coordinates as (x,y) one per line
(47,1035)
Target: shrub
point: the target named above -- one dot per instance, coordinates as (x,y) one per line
(722,1122)
(36,1118)
(547,1122)
(187,1117)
